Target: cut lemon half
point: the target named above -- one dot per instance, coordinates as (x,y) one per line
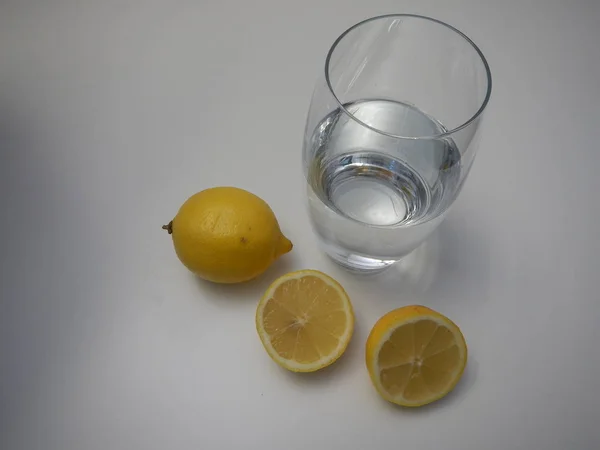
(305,320)
(415,356)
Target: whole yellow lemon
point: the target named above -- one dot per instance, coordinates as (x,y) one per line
(227,235)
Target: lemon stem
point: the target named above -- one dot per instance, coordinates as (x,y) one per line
(168,227)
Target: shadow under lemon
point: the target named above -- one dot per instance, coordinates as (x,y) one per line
(453,398)
(332,373)
(251,290)
(422,277)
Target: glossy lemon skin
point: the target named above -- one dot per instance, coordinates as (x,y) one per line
(227,235)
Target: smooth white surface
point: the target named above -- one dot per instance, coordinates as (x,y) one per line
(113,112)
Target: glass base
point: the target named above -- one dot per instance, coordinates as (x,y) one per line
(357,263)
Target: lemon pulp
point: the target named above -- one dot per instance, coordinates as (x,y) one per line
(305,320)
(415,356)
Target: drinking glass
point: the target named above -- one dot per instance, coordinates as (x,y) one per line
(391,135)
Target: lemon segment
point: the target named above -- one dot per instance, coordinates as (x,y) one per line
(305,320)
(415,356)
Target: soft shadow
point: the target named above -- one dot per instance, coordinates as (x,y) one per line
(253,289)
(330,374)
(454,398)
(406,282)
(416,272)
(464,267)
(453,264)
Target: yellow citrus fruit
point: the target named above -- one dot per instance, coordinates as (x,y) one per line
(227,235)
(305,320)
(415,356)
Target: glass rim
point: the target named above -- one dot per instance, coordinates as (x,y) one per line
(414,16)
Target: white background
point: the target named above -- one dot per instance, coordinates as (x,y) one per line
(113,112)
